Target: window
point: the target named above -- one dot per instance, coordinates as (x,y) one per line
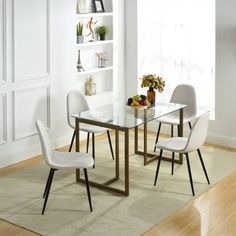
(176,39)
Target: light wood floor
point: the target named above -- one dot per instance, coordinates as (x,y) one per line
(212,213)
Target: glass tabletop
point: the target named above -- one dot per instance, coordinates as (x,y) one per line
(120,115)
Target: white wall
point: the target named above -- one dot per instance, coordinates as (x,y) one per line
(131,45)
(222,131)
(40,59)
(40,66)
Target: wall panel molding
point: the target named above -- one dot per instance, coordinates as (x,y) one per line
(27,41)
(3,118)
(38,107)
(3,44)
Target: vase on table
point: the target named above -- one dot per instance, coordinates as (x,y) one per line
(151,95)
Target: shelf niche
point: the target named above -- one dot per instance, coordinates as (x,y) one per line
(104,77)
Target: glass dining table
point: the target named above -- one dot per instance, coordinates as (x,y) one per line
(120,117)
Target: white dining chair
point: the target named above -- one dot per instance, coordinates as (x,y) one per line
(183,94)
(185,145)
(76,103)
(62,160)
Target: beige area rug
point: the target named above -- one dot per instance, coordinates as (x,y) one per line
(68,213)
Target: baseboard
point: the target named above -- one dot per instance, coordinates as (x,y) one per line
(33,151)
(13,158)
(221,140)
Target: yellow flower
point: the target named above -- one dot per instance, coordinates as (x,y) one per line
(153,81)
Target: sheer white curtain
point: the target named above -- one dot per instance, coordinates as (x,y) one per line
(176,40)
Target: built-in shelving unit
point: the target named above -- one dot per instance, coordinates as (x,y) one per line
(103,76)
(95,43)
(94,15)
(95,70)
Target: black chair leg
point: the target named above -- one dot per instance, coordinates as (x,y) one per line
(158,167)
(88,190)
(190,126)
(46,186)
(172,131)
(200,157)
(93,148)
(87,148)
(157,137)
(72,141)
(48,190)
(172,163)
(190,174)
(173,154)
(203,166)
(110,144)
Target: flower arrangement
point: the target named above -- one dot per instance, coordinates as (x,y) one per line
(153,82)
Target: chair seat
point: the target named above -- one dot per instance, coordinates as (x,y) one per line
(74,160)
(91,128)
(177,144)
(86,127)
(185,145)
(173,118)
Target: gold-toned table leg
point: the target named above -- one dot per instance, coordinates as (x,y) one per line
(135,133)
(145,143)
(153,157)
(105,185)
(117,154)
(127,162)
(135,140)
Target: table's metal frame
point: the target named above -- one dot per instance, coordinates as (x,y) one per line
(153,156)
(105,186)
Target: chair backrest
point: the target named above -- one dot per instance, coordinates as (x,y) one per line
(185,94)
(198,133)
(47,150)
(76,103)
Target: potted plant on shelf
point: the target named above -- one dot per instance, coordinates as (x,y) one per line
(101,31)
(80,37)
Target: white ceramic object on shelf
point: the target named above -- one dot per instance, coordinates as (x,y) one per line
(90,86)
(84,6)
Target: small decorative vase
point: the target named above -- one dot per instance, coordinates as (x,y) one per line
(80,39)
(151,95)
(90,87)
